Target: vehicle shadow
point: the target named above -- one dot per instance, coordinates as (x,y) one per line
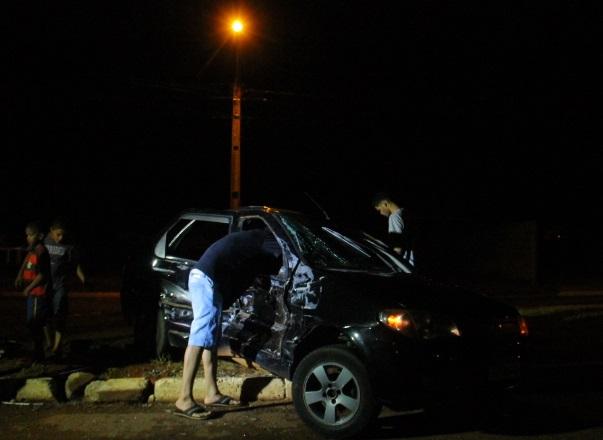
(544,406)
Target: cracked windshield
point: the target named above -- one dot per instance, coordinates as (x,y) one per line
(328,248)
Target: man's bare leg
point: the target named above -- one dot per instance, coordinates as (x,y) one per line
(49,337)
(192,356)
(57,341)
(210,369)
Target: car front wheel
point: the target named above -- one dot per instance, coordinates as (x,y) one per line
(332,392)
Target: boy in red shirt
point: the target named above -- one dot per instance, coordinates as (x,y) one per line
(34,278)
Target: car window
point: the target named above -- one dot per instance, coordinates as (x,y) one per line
(189,238)
(248,223)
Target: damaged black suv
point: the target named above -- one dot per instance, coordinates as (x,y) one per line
(344,318)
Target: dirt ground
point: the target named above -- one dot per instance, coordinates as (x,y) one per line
(136,421)
(540,416)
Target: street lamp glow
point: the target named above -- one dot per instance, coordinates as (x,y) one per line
(237,26)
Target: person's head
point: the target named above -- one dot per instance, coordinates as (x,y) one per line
(384,204)
(57,230)
(33,233)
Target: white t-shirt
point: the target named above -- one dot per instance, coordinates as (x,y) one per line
(396,224)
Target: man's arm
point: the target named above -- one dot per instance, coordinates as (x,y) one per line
(75,257)
(80,274)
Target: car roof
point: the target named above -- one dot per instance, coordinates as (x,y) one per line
(240,211)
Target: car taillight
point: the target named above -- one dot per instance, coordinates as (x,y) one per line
(523,326)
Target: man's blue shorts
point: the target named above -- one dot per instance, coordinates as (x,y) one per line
(207,311)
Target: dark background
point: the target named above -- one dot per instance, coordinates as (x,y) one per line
(117,115)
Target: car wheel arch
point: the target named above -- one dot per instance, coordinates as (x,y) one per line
(322,336)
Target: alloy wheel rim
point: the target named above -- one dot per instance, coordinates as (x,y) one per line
(331,394)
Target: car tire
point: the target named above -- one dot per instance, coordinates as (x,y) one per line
(162,344)
(144,332)
(333,394)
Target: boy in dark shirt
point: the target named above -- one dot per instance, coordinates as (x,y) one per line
(63,262)
(34,278)
(224,270)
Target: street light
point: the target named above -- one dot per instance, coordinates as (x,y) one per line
(237,28)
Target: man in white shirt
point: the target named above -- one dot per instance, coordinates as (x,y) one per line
(398,229)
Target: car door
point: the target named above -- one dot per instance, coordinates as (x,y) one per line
(255,324)
(181,247)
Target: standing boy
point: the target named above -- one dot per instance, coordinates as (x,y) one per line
(34,278)
(63,262)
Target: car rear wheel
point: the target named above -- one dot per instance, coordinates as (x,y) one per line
(332,392)
(144,331)
(162,345)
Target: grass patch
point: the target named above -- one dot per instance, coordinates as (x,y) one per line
(152,370)
(164,368)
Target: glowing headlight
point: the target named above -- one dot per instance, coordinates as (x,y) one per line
(399,320)
(419,323)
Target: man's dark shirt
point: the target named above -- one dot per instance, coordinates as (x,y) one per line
(236,259)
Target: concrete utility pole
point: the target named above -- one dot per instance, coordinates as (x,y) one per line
(235,151)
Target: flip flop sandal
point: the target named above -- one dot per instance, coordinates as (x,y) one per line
(225,402)
(195,412)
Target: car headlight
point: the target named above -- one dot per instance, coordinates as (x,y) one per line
(418,323)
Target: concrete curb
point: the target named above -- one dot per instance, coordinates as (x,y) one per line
(42,389)
(246,389)
(140,389)
(117,390)
(76,384)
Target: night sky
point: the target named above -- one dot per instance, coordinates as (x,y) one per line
(478,111)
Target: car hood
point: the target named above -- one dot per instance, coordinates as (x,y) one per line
(357,296)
